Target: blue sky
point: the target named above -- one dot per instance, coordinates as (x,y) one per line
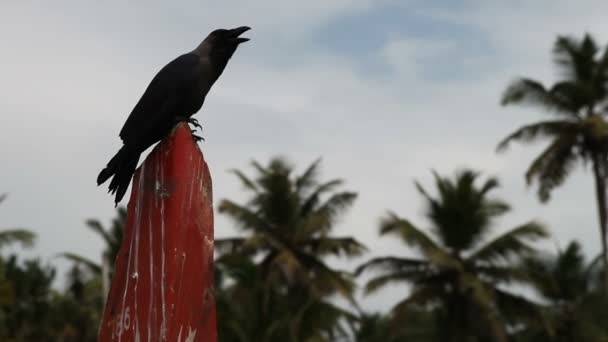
(383,90)
(363,35)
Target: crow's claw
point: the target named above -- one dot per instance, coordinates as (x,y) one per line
(194,122)
(196,138)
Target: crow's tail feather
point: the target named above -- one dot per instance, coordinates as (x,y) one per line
(121,167)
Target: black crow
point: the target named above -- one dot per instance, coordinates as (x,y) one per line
(174,95)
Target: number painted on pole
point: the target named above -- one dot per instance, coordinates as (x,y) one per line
(122,323)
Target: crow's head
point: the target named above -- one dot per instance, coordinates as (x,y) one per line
(221,44)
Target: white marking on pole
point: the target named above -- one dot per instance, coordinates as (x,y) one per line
(191,335)
(163,327)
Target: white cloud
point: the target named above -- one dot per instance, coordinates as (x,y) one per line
(410,57)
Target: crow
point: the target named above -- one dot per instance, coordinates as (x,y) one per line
(176,93)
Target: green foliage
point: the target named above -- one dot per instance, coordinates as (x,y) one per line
(36,312)
(277,269)
(112,238)
(461,269)
(577,309)
(578,98)
(27,316)
(416,325)
(78,310)
(580,133)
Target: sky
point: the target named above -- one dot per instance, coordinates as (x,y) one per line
(383,90)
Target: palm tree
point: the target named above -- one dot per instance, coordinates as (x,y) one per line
(28,317)
(287,223)
(113,238)
(460,269)
(569,284)
(7,237)
(78,310)
(579,131)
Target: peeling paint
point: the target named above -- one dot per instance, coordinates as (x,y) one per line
(208,243)
(191,335)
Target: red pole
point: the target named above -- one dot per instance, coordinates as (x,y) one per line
(162,289)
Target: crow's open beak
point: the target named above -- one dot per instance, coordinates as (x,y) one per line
(236,32)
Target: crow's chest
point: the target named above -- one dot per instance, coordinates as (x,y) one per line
(195,96)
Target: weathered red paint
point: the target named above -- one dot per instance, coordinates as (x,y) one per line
(162,288)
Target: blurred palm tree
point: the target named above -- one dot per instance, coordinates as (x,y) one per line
(28,317)
(461,268)
(78,310)
(7,237)
(569,284)
(579,131)
(287,223)
(112,237)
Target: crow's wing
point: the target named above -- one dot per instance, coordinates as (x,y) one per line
(160,99)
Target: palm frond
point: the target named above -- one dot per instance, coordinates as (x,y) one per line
(309,177)
(241,269)
(247,183)
(98,228)
(601,76)
(311,202)
(338,246)
(325,279)
(404,229)
(553,165)
(262,171)
(531,92)
(94,267)
(329,211)
(501,273)
(324,317)
(378,282)
(594,267)
(516,309)
(575,95)
(575,58)
(22,236)
(490,184)
(480,295)
(392,264)
(420,296)
(494,208)
(543,129)
(243,216)
(515,242)
(228,245)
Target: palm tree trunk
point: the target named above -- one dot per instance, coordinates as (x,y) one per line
(497,329)
(599,172)
(492,328)
(457,320)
